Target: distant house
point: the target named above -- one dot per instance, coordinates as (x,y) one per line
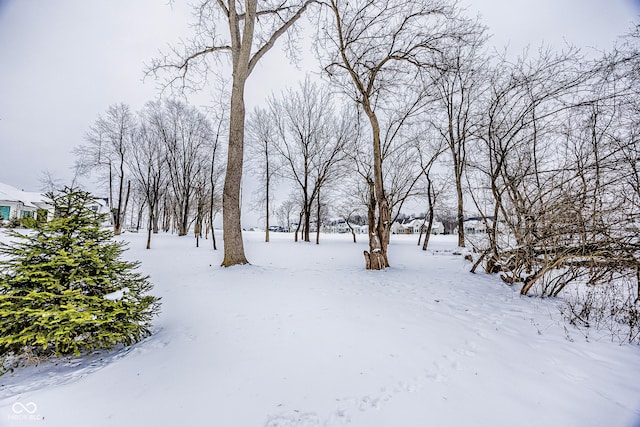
(399,227)
(476,225)
(413,226)
(340,226)
(437,228)
(335,225)
(18,204)
(101,206)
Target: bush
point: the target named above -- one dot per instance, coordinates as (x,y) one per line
(612,309)
(28,222)
(13,223)
(64,288)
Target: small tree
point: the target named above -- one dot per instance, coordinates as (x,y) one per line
(64,288)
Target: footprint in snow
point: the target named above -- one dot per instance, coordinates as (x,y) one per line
(294,419)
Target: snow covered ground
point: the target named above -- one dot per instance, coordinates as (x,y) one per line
(305,337)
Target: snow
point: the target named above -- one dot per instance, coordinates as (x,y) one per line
(10,193)
(306,337)
(117,295)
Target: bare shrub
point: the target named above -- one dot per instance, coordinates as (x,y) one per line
(612,309)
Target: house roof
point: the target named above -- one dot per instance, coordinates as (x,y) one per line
(12,194)
(478,218)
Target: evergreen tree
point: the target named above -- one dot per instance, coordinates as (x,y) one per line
(65,289)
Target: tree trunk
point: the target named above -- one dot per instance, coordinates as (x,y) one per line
(121,209)
(182,212)
(379,236)
(156,216)
(307,222)
(166,216)
(120,212)
(197,230)
(131,221)
(231,203)
(428,233)
(353,232)
(232,229)
(111,208)
(430,197)
(150,225)
(318,220)
(373,258)
(213,237)
(460,211)
(638,283)
(295,236)
(139,218)
(267,179)
(212,193)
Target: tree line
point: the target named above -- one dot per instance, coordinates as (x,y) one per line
(164,159)
(413,106)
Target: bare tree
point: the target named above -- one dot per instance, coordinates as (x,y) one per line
(264,159)
(523,182)
(218,113)
(311,138)
(401,138)
(106,150)
(49,182)
(137,204)
(206,186)
(216,171)
(459,81)
(353,204)
(552,132)
(374,50)
(200,201)
(406,144)
(147,163)
(285,212)
(252,32)
(186,134)
(429,153)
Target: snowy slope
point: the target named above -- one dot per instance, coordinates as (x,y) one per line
(306,337)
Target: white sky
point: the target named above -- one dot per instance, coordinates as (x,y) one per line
(63,62)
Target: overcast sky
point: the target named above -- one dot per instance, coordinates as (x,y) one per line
(63,62)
